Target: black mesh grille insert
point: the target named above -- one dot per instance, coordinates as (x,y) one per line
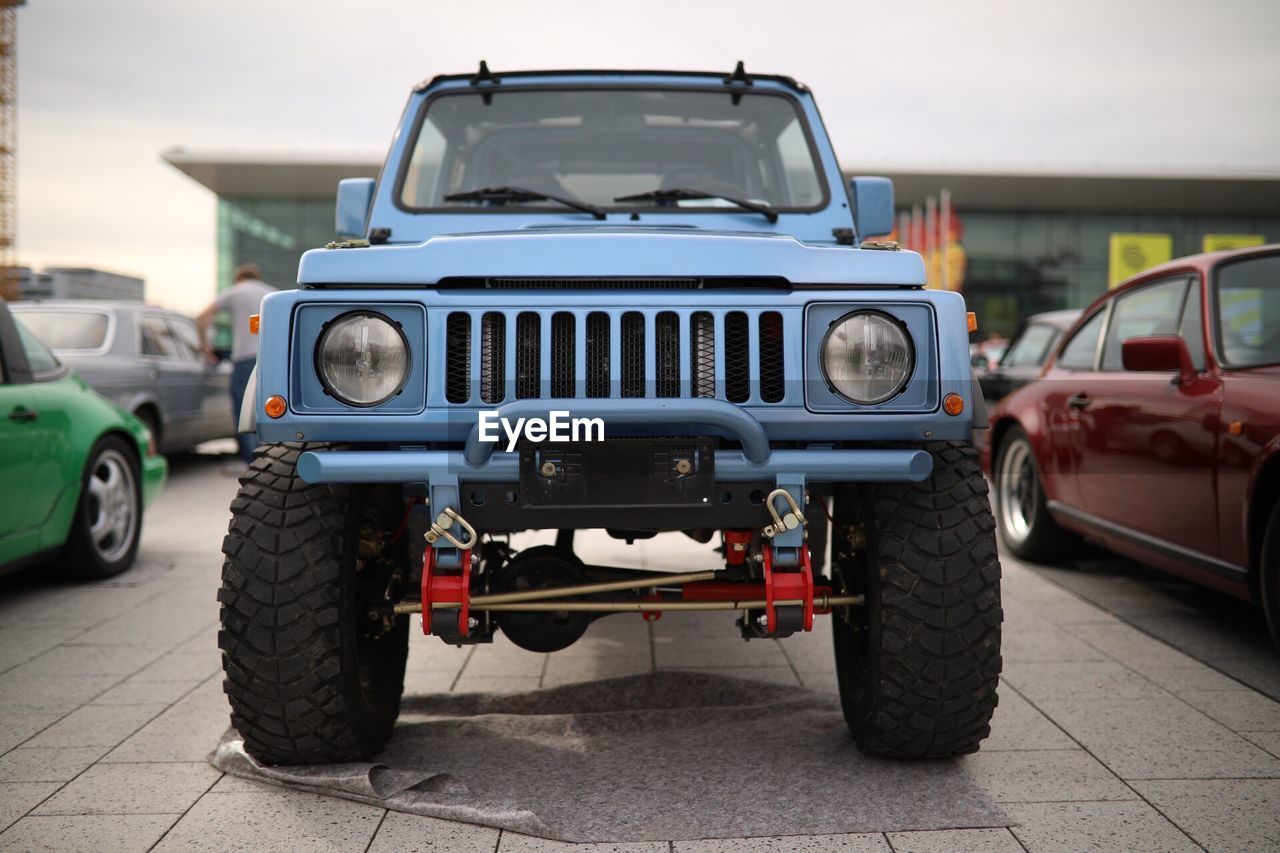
(457,376)
(597,354)
(493,357)
(528,354)
(773,380)
(666,341)
(562,355)
(702,354)
(632,354)
(737,357)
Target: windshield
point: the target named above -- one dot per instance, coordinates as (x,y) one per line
(66,330)
(1248,309)
(595,145)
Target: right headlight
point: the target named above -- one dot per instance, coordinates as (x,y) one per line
(362,358)
(867,357)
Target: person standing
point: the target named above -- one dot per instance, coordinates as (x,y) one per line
(241,300)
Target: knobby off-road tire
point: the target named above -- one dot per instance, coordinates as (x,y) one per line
(919,663)
(307,682)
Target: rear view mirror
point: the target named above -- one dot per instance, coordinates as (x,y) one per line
(1158,354)
(872,206)
(355,195)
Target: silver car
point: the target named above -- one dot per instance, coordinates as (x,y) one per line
(145,360)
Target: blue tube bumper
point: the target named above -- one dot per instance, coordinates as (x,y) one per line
(423,466)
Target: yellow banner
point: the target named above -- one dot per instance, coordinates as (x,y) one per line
(1220,242)
(1135,253)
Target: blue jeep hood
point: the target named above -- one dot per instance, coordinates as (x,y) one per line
(611,252)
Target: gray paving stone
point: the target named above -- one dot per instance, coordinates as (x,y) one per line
(131,692)
(47,764)
(1239,710)
(955,841)
(89,833)
(784,675)
(19,724)
(1127,825)
(1157,739)
(716,651)
(190,668)
(186,731)
(1030,776)
(132,789)
(20,643)
(18,798)
(274,820)
(515,843)
(1079,679)
(407,833)
(572,670)
(23,689)
(96,725)
(1130,646)
(1226,814)
(682,625)
(862,842)
(1177,679)
(1270,741)
(507,684)
(1017,724)
(822,681)
(74,660)
(1046,644)
(490,663)
(428,682)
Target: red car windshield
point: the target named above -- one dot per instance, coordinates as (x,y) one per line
(1247,292)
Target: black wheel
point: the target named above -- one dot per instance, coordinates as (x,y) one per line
(1026,527)
(1269,574)
(312,674)
(151,418)
(919,662)
(108,520)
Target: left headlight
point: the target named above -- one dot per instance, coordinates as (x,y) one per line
(362,358)
(867,357)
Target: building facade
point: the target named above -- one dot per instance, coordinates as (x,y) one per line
(79,283)
(1018,243)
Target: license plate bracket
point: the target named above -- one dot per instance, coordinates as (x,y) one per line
(663,472)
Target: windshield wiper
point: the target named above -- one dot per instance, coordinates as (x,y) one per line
(681,194)
(502,195)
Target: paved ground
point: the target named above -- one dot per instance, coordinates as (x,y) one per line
(1106,737)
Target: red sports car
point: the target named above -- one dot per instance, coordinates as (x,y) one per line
(1155,429)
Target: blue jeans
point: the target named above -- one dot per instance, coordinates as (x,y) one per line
(240,372)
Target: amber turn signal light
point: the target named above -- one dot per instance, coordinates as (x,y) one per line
(970,318)
(255,321)
(952,404)
(275,406)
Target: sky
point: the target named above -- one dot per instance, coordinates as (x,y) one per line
(104,87)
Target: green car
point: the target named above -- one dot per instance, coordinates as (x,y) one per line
(75,471)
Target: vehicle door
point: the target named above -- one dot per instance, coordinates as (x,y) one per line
(34,431)
(1074,368)
(215,419)
(1149,441)
(179,381)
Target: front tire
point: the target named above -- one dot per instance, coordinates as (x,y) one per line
(311,678)
(919,663)
(108,521)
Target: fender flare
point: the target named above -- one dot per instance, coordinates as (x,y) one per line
(247,417)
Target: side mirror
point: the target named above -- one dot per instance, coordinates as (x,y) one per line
(1158,354)
(355,195)
(873,214)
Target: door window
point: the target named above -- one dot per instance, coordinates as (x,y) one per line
(187,338)
(38,355)
(1154,309)
(1032,346)
(1080,351)
(1192,327)
(157,340)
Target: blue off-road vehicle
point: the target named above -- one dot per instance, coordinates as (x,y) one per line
(640,301)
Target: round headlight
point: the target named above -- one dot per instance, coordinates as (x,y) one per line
(362,359)
(867,357)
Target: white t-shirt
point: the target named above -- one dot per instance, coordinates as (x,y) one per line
(240,300)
